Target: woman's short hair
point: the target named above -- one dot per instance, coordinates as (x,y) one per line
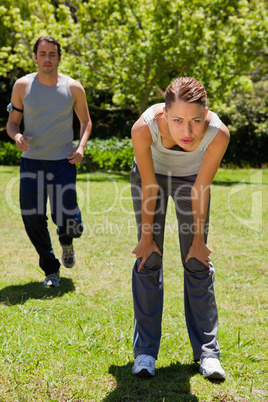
(186,89)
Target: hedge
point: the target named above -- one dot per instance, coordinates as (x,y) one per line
(112,154)
(9,154)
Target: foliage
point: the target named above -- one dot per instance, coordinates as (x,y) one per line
(22,23)
(112,154)
(138,47)
(74,343)
(126,52)
(9,154)
(246,117)
(134,48)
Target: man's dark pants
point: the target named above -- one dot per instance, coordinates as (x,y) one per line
(41,180)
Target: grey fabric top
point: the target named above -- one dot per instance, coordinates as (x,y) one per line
(48,119)
(174,162)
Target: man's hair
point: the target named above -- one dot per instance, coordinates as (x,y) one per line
(48,39)
(186,89)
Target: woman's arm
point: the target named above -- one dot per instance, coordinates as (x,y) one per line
(142,140)
(200,194)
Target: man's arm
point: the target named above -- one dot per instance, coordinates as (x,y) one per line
(81,110)
(15,117)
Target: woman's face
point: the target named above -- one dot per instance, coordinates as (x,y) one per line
(186,123)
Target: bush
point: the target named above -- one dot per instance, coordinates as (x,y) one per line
(246,116)
(9,154)
(112,154)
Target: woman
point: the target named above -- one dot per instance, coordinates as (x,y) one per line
(178,147)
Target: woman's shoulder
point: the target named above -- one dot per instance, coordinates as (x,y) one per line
(154,110)
(221,138)
(151,119)
(141,135)
(213,120)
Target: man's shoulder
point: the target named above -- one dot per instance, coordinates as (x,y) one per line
(74,83)
(20,86)
(23,81)
(76,88)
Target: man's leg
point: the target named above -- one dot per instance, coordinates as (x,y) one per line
(64,208)
(33,198)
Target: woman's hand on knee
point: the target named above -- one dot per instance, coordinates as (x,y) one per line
(201,252)
(144,249)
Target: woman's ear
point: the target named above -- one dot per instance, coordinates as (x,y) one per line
(165,112)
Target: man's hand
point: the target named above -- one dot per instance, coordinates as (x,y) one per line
(144,249)
(77,155)
(22,142)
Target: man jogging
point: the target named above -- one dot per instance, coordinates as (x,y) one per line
(46,100)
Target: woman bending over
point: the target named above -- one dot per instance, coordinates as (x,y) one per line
(178,147)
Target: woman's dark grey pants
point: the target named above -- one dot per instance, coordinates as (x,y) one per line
(147,285)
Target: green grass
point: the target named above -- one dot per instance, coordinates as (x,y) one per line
(74,343)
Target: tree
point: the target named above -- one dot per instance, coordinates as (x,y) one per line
(132,49)
(246,117)
(22,22)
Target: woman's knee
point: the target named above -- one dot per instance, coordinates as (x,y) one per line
(154,261)
(196,268)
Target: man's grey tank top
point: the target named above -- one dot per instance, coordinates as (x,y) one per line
(174,162)
(48,119)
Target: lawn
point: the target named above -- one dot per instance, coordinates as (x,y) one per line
(74,343)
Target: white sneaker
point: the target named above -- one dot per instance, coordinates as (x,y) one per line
(144,366)
(210,367)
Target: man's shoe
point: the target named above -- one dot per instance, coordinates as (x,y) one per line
(144,366)
(211,368)
(68,257)
(52,280)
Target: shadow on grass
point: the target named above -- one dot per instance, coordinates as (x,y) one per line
(229,183)
(19,294)
(102,176)
(170,383)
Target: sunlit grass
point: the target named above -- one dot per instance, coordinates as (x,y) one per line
(74,343)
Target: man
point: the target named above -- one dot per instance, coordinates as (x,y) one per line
(46,101)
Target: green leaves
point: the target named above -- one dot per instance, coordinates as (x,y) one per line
(134,48)
(112,154)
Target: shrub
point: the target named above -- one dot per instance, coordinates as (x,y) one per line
(112,154)
(9,154)
(246,116)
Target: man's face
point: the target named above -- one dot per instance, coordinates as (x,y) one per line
(47,57)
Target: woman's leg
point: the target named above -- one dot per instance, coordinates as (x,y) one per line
(147,285)
(199,297)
